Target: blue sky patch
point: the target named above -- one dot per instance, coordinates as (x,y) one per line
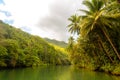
(8,21)
(25,28)
(2,2)
(8,14)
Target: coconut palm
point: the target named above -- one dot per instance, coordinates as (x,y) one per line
(74,26)
(99,16)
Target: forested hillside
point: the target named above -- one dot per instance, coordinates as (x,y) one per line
(58,43)
(20,49)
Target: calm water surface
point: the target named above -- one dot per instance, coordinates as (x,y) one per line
(54,73)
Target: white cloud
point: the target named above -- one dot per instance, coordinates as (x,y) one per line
(28,13)
(2,16)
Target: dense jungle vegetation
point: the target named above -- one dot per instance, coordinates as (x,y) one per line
(98,44)
(20,49)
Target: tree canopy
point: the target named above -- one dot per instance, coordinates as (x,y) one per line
(21,49)
(99,28)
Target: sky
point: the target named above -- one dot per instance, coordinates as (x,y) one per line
(45,18)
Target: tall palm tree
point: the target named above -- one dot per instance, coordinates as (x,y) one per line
(74,26)
(99,16)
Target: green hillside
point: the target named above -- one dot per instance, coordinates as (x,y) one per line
(20,49)
(56,42)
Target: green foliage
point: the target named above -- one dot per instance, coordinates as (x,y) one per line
(3,51)
(20,49)
(116,71)
(98,44)
(107,67)
(74,26)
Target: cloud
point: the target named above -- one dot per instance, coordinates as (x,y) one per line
(46,18)
(8,14)
(57,19)
(25,12)
(5,17)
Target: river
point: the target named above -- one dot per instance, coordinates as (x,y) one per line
(54,73)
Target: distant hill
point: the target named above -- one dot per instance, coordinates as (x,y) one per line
(56,42)
(21,49)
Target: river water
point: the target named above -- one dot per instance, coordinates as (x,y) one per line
(54,73)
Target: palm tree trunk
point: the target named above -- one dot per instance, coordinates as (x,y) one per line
(101,48)
(102,45)
(103,30)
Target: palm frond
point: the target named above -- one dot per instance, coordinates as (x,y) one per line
(89,5)
(85,11)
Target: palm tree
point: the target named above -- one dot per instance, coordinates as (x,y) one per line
(71,42)
(74,26)
(100,17)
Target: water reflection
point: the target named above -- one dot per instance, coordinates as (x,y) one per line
(54,73)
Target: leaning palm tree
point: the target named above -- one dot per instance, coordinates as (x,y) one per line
(99,16)
(74,26)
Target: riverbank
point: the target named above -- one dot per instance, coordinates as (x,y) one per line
(108,68)
(111,69)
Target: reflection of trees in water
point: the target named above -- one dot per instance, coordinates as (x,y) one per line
(54,73)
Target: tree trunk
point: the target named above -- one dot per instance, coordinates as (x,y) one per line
(111,43)
(102,45)
(101,48)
